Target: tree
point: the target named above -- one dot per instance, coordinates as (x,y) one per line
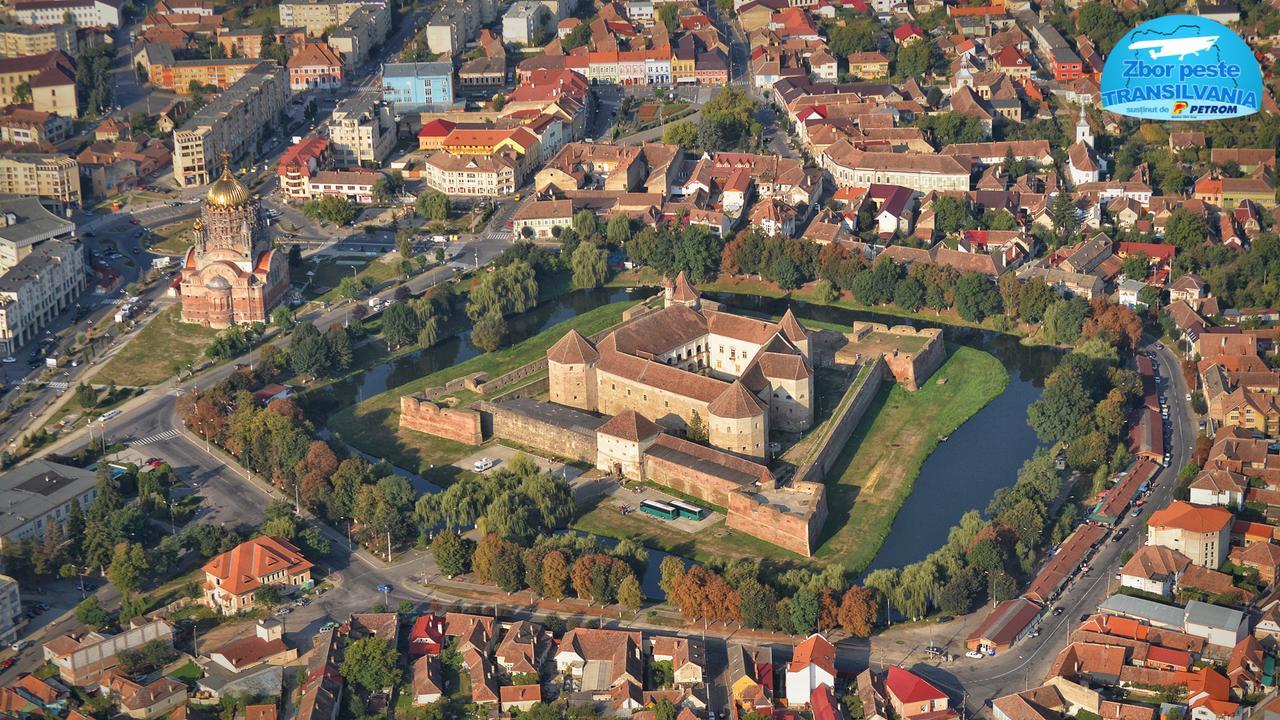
(1062,412)
(555,575)
(1033,299)
(127,568)
(282,317)
(629,594)
(489,332)
(804,609)
(670,571)
(332,209)
(697,431)
(951,215)
(267,596)
(669,16)
(1136,266)
(1064,216)
(590,264)
(682,132)
(757,604)
(857,613)
(909,295)
(1185,230)
(976,297)
(618,231)
(400,325)
(579,36)
(917,60)
(433,205)
(90,612)
(371,663)
(22,92)
(498,561)
(452,552)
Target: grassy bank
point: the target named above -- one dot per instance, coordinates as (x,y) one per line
(161,349)
(712,544)
(875,474)
(373,425)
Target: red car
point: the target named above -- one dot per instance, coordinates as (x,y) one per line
(8,663)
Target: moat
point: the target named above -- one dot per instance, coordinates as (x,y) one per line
(982,456)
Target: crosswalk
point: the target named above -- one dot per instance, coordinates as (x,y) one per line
(59,386)
(500,235)
(166,435)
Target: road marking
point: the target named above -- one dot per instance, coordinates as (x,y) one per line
(57,385)
(166,435)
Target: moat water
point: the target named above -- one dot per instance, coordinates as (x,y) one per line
(982,456)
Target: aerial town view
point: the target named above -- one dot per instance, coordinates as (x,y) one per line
(652,359)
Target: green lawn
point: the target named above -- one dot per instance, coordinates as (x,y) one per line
(373,425)
(875,474)
(329,272)
(160,350)
(188,673)
(710,545)
(172,239)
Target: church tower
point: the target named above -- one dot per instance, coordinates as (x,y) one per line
(1083,133)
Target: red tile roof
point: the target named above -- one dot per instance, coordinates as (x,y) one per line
(815,650)
(907,687)
(240,568)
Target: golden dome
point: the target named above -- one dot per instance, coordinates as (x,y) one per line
(226,191)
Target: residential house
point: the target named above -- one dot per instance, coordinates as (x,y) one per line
(1154,569)
(232,577)
(1201,533)
(911,696)
(812,664)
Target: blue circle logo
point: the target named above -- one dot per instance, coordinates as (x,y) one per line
(1182,67)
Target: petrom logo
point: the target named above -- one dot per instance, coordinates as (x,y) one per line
(1182,67)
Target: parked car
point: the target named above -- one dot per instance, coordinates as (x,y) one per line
(974,654)
(8,663)
(384,588)
(1119,534)
(1057,611)
(483,464)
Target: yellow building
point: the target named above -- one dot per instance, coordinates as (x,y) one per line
(1200,532)
(232,122)
(26,40)
(53,178)
(1252,410)
(51,79)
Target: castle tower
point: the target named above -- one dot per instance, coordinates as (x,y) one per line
(682,292)
(739,422)
(571,372)
(795,332)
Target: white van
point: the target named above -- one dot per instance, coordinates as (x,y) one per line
(108,415)
(483,464)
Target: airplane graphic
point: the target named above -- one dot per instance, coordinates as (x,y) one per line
(1181,47)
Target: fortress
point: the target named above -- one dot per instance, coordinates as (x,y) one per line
(738,375)
(626,401)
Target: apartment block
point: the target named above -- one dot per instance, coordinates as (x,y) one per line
(233,122)
(84,13)
(363,131)
(474,175)
(316,17)
(26,40)
(418,86)
(81,660)
(356,38)
(43,270)
(39,493)
(55,179)
(523,20)
(179,75)
(10,609)
(21,126)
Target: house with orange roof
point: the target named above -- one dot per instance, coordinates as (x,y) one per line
(912,697)
(232,577)
(812,664)
(315,66)
(1202,533)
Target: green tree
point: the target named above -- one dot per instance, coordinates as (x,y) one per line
(489,332)
(452,552)
(629,595)
(1185,230)
(90,612)
(683,133)
(333,209)
(669,15)
(128,568)
(804,610)
(433,205)
(951,215)
(22,92)
(618,231)
(282,317)
(697,430)
(917,60)
(909,295)
(976,297)
(371,663)
(1064,216)
(1136,266)
(590,265)
(400,325)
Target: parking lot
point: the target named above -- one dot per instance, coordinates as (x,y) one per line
(503,454)
(627,498)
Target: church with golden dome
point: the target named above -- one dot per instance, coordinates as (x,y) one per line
(231,274)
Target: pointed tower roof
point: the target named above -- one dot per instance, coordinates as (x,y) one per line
(736,402)
(572,349)
(791,327)
(684,291)
(630,425)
